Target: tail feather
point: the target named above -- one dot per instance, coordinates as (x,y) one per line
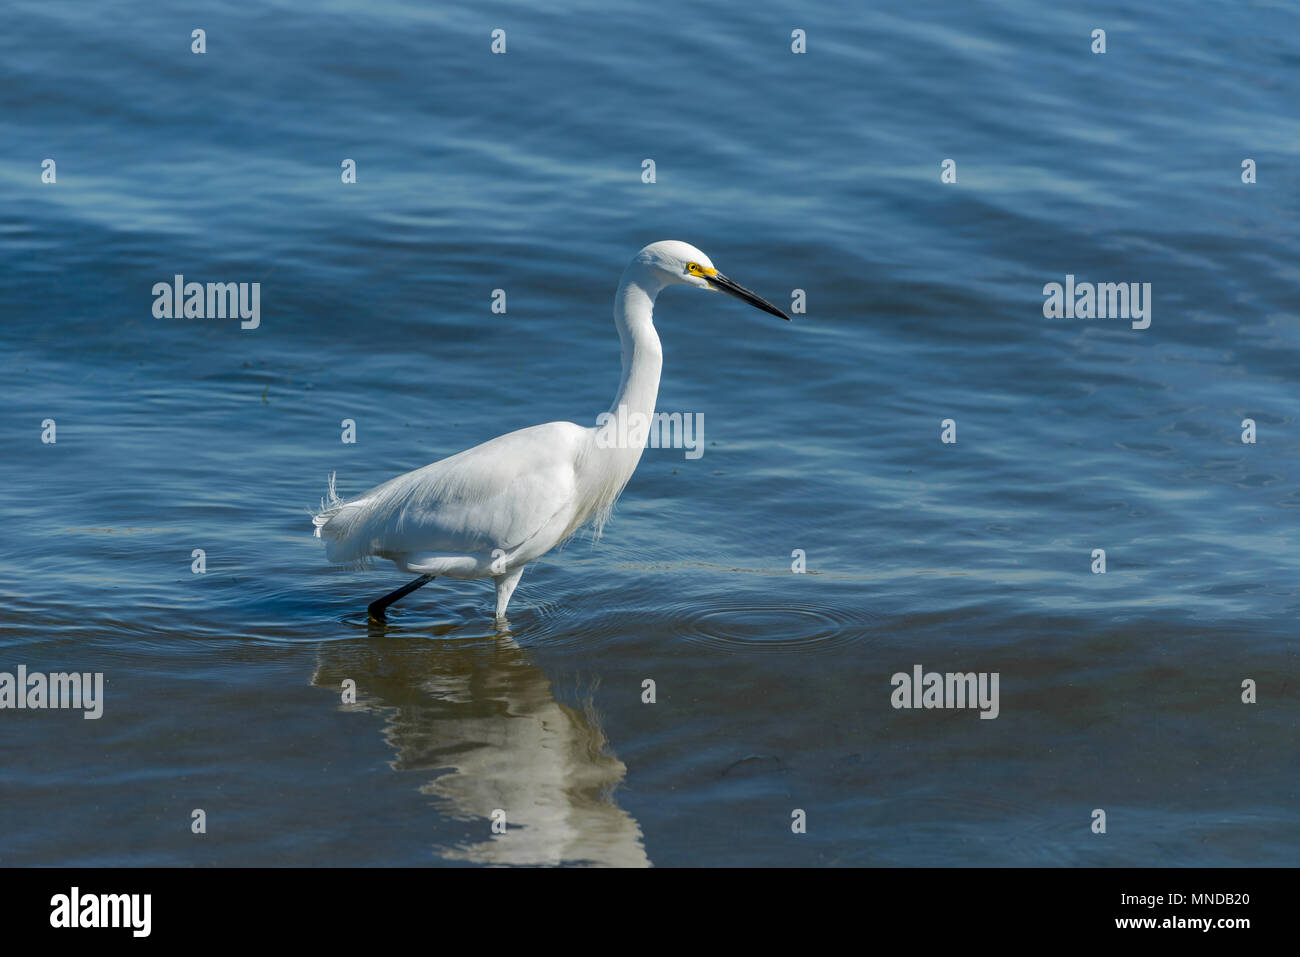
(337,525)
(329,507)
(335,521)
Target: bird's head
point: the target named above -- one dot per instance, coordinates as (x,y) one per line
(681,263)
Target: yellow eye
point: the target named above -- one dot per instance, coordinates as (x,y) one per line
(693,268)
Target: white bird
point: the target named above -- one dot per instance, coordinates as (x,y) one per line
(490,510)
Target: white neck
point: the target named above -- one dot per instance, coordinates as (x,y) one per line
(642,355)
(620,437)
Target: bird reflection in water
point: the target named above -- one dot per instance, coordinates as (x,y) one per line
(483,715)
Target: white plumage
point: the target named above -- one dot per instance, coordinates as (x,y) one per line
(488,511)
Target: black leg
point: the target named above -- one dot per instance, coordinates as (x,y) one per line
(376,608)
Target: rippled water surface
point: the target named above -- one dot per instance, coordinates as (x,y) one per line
(522,172)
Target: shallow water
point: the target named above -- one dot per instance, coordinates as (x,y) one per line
(523,172)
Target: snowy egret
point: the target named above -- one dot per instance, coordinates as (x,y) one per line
(490,510)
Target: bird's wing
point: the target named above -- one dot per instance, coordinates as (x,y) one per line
(511,493)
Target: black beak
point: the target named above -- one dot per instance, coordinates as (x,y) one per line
(723,284)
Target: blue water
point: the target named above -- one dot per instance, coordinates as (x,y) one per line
(818,171)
